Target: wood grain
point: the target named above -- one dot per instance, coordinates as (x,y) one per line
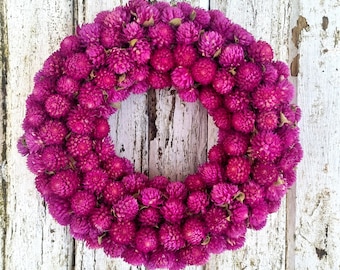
(163,135)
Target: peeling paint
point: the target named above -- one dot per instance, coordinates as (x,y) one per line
(301,24)
(294,66)
(325,22)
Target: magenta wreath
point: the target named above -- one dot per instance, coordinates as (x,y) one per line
(99,195)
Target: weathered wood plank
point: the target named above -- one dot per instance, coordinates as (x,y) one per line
(318,191)
(33,239)
(269,21)
(3,185)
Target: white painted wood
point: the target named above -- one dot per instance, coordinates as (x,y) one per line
(318,191)
(33,239)
(30,237)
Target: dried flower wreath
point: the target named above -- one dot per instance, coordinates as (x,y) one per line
(205,57)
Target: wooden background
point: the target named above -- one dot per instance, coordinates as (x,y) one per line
(304,234)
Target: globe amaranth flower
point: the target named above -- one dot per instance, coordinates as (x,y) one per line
(248,76)
(89,33)
(162,35)
(119,60)
(187,33)
(231,56)
(223,193)
(81,120)
(243,121)
(216,154)
(197,202)
(90,97)
(238,169)
(195,182)
(159,80)
(210,43)
(173,210)
(53,132)
(60,210)
(185,55)
(126,209)
(194,255)
(78,145)
(57,106)
(151,197)
(117,167)
(266,146)
(69,45)
(123,232)
(176,190)
(88,162)
(111,248)
(260,51)
(132,31)
(266,98)
(194,231)
(134,183)
(188,95)
(258,216)
(236,101)
(149,217)
(235,143)
(101,218)
(67,86)
(78,66)
(203,70)
(210,99)
(54,158)
(133,256)
(162,59)
(95,180)
(223,82)
(141,51)
(181,78)
(64,183)
(170,237)
(79,227)
(265,173)
(146,239)
(211,173)
(267,120)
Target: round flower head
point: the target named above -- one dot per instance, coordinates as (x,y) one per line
(79,227)
(266,146)
(59,209)
(185,55)
(132,31)
(181,78)
(222,193)
(89,33)
(282,69)
(236,101)
(133,256)
(172,15)
(54,158)
(243,121)
(113,191)
(43,87)
(78,145)
(176,190)
(52,132)
(126,209)
(149,217)
(35,115)
(90,97)
(260,51)
(194,182)
(216,244)
(222,118)
(231,56)
(276,191)
(88,162)
(197,202)
(101,218)
(147,15)
(285,90)
(162,35)
(151,197)
(162,59)
(270,74)
(235,143)
(173,210)
(236,230)
(67,86)
(141,51)
(235,243)
(101,128)
(134,183)
(265,173)
(123,232)
(110,38)
(203,70)
(146,239)
(104,79)
(96,180)
(170,237)
(117,167)
(211,173)
(253,193)
(35,163)
(210,44)
(223,82)
(194,255)
(78,66)
(161,259)
(258,216)
(238,212)
(80,120)
(187,33)
(210,99)
(266,98)
(217,154)
(158,80)
(69,45)
(238,169)
(119,60)
(104,149)
(218,21)
(291,157)
(64,183)
(240,35)
(53,65)
(111,248)
(57,106)
(83,202)
(194,231)
(117,17)
(188,95)
(248,76)
(41,184)
(96,54)
(267,120)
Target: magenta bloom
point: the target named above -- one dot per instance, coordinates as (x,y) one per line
(64,183)
(170,237)
(78,66)
(173,210)
(146,239)
(203,70)
(126,209)
(222,193)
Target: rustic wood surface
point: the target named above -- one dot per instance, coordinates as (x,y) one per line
(162,135)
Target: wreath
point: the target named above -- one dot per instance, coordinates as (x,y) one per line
(98,194)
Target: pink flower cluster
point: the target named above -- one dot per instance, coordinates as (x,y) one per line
(206,57)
